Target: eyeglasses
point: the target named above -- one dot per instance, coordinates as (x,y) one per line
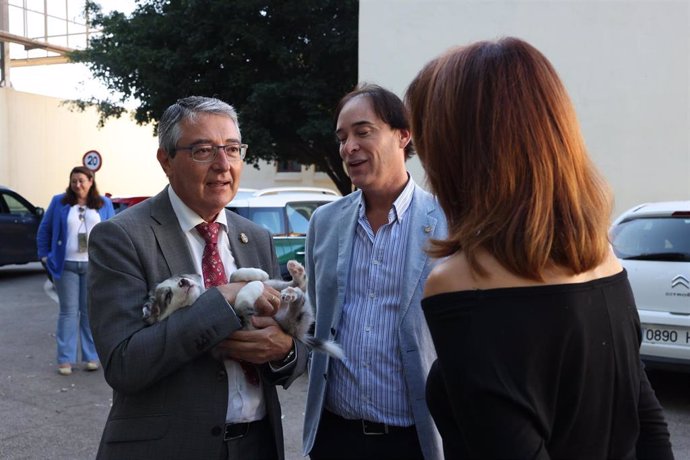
(81,212)
(205,153)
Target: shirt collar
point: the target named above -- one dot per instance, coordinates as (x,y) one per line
(187,218)
(400,205)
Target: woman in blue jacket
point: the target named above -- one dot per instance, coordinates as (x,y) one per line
(62,246)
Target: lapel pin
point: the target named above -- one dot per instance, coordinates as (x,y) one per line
(427,229)
(243,238)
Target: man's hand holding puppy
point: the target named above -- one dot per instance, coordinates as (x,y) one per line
(267,341)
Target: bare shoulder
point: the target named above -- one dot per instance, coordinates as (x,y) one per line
(449,275)
(454,274)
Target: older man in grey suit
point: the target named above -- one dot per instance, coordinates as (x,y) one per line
(172,398)
(367,267)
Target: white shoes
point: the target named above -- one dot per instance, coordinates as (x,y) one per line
(64,369)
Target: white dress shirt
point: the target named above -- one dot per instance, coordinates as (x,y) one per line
(245,401)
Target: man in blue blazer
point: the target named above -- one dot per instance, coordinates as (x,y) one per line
(367,267)
(172,397)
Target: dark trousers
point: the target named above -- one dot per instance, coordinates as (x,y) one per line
(341,439)
(249,441)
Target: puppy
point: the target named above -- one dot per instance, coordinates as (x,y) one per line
(170,295)
(294,316)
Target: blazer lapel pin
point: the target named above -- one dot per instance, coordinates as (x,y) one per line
(243,238)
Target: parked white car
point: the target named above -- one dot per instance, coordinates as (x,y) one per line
(285,212)
(652,241)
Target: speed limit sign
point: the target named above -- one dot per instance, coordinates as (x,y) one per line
(92,160)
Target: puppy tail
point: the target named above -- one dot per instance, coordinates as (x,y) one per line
(325,346)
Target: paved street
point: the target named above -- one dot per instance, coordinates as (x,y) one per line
(47,416)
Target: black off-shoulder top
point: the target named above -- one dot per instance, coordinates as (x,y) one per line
(543,372)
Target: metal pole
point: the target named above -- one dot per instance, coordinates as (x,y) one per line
(4,45)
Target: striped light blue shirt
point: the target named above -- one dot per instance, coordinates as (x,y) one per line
(369,384)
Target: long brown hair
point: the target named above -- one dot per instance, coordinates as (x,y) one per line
(499,139)
(93,199)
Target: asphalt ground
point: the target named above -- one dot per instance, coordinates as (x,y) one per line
(44,415)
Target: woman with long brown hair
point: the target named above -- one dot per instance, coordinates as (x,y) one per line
(531,314)
(62,246)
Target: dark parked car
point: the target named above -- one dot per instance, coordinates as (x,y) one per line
(19,220)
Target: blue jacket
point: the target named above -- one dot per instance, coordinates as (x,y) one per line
(53,231)
(329,250)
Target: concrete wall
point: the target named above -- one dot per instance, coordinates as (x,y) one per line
(625,64)
(41,140)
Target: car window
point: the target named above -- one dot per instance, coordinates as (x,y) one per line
(661,238)
(297,222)
(271,219)
(15,206)
(298,214)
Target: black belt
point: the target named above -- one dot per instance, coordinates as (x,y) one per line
(367,427)
(238,430)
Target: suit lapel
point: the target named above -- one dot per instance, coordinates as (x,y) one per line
(422,225)
(169,236)
(347,220)
(242,248)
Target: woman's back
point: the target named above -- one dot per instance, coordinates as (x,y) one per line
(547,370)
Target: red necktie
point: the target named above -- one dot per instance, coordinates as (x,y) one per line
(211,265)
(214,275)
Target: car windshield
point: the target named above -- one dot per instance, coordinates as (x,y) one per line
(272,219)
(299,215)
(290,220)
(658,238)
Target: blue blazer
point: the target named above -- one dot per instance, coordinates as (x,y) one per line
(52,232)
(328,253)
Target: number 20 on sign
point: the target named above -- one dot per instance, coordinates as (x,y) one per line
(92,160)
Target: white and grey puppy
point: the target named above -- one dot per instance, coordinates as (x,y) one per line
(295,315)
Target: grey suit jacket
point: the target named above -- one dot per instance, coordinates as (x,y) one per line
(169,395)
(329,250)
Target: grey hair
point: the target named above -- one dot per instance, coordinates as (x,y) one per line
(188,108)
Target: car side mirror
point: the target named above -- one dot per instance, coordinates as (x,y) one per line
(39,212)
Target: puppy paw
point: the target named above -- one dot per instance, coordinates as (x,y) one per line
(150,312)
(291,294)
(298,273)
(248,274)
(246,298)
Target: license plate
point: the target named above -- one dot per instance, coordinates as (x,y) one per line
(666,335)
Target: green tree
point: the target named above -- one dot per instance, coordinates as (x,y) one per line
(283,64)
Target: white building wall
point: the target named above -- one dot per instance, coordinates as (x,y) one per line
(625,64)
(41,140)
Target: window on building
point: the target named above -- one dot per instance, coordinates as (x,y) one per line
(288,166)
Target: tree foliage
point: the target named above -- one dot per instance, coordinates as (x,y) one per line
(283,64)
